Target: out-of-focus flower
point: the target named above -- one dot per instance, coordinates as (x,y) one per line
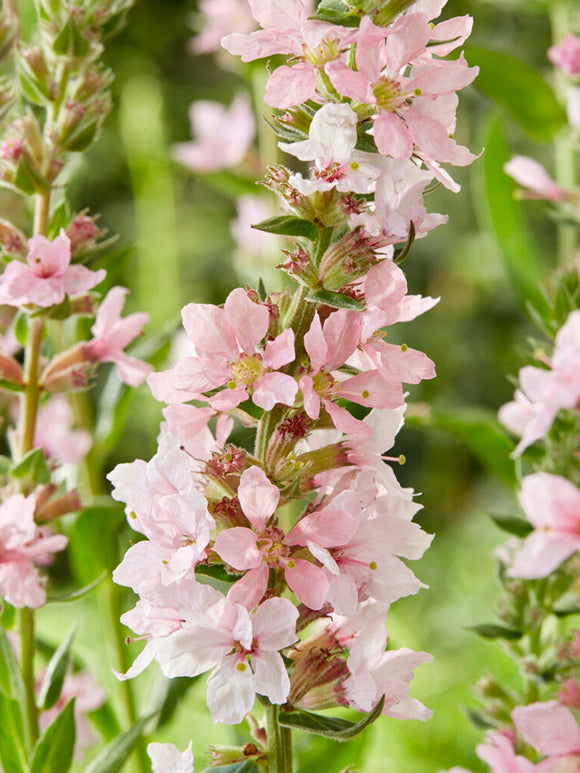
(166,758)
(54,432)
(221,136)
(566,55)
(532,176)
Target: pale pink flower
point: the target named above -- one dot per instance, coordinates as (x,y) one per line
(266,546)
(553,731)
(328,348)
(112,333)
(166,758)
(552,505)
(229,352)
(286,29)
(88,697)
(221,136)
(55,435)
(566,55)
(221,17)
(375,673)
(218,633)
(413,112)
(532,176)
(47,277)
(573,108)
(545,392)
(331,145)
(22,543)
(499,753)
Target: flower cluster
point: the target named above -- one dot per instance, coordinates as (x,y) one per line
(275,568)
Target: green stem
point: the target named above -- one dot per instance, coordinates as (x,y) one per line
(279,743)
(27,661)
(564,155)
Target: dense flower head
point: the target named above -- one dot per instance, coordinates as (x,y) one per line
(47,277)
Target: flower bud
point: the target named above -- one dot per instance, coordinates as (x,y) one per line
(8,33)
(228,755)
(348,259)
(13,242)
(69,502)
(83,233)
(10,370)
(35,73)
(69,371)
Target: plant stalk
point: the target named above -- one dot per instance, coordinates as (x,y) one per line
(279,743)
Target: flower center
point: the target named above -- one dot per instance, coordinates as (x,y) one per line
(324,384)
(247,369)
(327,50)
(389,94)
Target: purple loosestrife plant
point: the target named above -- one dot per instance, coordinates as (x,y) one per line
(273,568)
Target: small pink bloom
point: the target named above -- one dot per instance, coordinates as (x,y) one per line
(47,277)
(221,136)
(552,505)
(221,17)
(499,753)
(22,543)
(566,55)
(532,176)
(111,334)
(553,731)
(54,432)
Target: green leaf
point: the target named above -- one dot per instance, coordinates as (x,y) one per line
(481,433)
(55,673)
(33,90)
(217,572)
(32,466)
(504,218)
(478,719)
(113,756)
(247,766)
(330,727)
(568,604)
(512,524)
(13,755)
(7,616)
(106,722)
(28,180)
(54,750)
(174,690)
(60,219)
(288,225)
(70,41)
(21,328)
(262,292)
(10,386)
(11,683)
(336,12)
(336,300)
(82,138)
(520,89)
(92,542)
(73,595)
(283,131)
(495,631)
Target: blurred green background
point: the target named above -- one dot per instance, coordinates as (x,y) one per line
(483,263)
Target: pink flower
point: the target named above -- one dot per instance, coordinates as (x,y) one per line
(166,758)
(22,543)
(267,546)
(286,29)
(218,633)
(328,348)
(413,112)
(54,432)
(553,731)
(552,505)
(532,176)
(566,55)
(221,17)
(111,334)
(229,352)
(47,276)
(221,136)
(500,755)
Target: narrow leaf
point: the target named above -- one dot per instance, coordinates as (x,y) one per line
(10,678)
(330,727)
(55,673)
(503,215)
(403,254)
(54,750)
(78,594)
(512,524)
(113,756)
(336,300)
(520,89)
(288,225)
(13,756)
(478,719)
(247,766)
(10,386)
(495,631)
